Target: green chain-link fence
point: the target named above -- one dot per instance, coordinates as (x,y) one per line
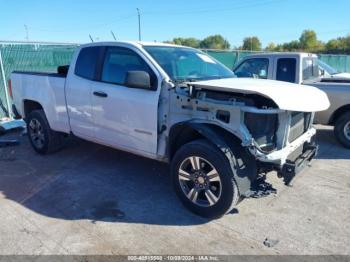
(230,58)
(30,57)
(46,57)
(339,62)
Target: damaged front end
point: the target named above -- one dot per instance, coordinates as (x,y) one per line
(286,146)
(280,140)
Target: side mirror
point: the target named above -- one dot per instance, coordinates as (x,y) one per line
(138,79)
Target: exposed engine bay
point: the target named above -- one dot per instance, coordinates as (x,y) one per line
(272,135)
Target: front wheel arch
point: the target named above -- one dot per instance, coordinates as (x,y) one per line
(204,192)
(338,113)
(238,156)
(341,126)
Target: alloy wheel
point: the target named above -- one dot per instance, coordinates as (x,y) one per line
(347,130)
(36,133)
(200,181)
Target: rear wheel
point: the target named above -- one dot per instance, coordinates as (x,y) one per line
(342,129)
(42,138)
(203,179)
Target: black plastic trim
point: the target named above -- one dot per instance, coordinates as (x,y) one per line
(291,169)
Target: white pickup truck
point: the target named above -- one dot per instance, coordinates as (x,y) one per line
(178,105)
(306,69)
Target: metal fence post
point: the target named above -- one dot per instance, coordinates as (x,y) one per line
(9,109)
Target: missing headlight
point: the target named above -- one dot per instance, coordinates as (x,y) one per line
(263,128)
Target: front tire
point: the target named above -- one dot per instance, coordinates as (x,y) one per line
(203,179)
(42,138)
(342,129)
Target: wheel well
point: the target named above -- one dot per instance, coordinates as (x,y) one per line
(340,111)
(183,133)
(180,135)
(30,106)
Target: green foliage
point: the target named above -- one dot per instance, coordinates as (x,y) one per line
(307,42)
(291,46)
(211,42)
(271,47)
(190,41)
(341,45)
(215,42)
(251,43)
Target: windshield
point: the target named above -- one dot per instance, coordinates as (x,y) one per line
(327,68)
(186,64)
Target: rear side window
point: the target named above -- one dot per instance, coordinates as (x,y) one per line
(286,69)
(87,62)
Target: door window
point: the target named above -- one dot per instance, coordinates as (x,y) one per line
(286,69)
(118,61)
(87,62)
(257,68)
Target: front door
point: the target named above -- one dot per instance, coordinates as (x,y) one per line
(125,117)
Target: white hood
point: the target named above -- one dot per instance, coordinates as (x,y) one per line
(287,96)
(341,75)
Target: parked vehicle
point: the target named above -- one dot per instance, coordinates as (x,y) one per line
(178,105)
(303,68)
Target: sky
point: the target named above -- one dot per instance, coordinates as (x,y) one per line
(275,21)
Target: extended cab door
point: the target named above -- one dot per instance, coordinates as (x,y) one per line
(125,117)
(78,91)
(287,68)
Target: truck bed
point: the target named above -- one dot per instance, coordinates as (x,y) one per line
(46,88)
(39,73)
(62,71)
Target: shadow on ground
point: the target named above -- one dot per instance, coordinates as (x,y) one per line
(88,181)
(329,147)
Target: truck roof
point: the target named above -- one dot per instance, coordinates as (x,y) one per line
(265,54)
(132,43)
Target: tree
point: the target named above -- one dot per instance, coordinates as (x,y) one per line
(308,41)
(271,47)
(215,42)
(251,43)
(190,41)
(335,46)
(291,46)
(339,45)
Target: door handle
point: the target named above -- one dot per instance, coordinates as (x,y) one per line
(100,94)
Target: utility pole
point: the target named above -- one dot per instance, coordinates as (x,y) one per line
(27,32)
(92,40)
(139,16)
(115,39)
